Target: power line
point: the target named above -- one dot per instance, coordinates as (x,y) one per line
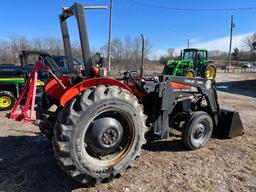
(190,9)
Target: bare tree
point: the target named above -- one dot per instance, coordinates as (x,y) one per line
(53,46)
(169,56)
(248,40)
(247,43)
(16,44)
(170,52)
(117,49)
(38,44)
(5,54)
(128,44)
(126,53)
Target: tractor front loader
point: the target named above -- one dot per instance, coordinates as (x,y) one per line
(99,123)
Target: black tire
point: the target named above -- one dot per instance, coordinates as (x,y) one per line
(78,154)
(206,68)
(197,130)
(7,100)
(189,71)
(46,119)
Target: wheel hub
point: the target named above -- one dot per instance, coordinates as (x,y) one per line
(210,72)
(199,132)
(5,101)
(109,136)
(106,133)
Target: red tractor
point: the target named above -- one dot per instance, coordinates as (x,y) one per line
(98,124)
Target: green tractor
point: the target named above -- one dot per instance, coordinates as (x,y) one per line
(191,63)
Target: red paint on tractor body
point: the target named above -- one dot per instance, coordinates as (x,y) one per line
(179,86)
(136,91)
(28,92)
(54,89)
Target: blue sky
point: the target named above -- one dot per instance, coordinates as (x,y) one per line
(165,28)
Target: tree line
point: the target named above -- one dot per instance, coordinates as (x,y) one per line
(9,49)
(126,52)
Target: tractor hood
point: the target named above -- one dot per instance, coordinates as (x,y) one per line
(171,66)
(173,63)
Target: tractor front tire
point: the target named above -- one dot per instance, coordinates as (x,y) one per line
(7,100)
(190,73)
(99,134)
(197,130)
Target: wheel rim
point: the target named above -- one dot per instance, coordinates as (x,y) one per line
(200,132)
(210,72)
(5,102)
(190,74)
(112,144)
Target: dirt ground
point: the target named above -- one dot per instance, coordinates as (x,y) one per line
(27,162)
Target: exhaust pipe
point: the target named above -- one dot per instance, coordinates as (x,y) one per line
(142,56)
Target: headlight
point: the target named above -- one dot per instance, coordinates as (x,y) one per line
(208,84)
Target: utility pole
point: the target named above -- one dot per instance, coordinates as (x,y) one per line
(232,26)
(188,43)
(110,36)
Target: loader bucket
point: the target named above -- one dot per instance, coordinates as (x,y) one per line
(230,124)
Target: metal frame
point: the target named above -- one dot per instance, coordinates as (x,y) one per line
(76,10)
(30,89)
(24,54)
(168,98)
(30,98)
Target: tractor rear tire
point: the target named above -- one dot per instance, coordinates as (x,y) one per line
(197,130)
(7,100)
(210,71)
(99,134)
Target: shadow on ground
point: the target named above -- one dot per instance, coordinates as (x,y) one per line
(246,88)
(27,164)
(174,145)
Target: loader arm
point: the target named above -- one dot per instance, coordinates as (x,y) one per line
(206,89)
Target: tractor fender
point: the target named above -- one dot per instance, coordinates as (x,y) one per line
(206,64)
(82,86)
(55,90)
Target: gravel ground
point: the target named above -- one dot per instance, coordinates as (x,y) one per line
(27,162)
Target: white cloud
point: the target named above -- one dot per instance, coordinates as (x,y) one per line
(221,44)
(157,53)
